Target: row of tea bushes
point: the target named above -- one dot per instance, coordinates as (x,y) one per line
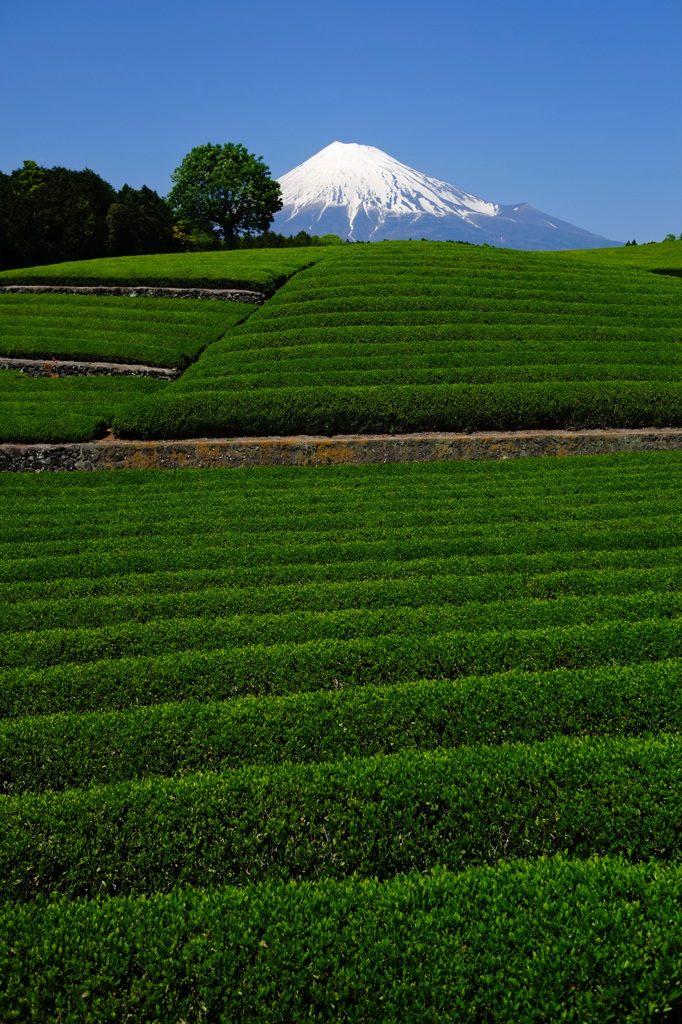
(155,332)
(43,589)
(279,668)
(399,628)
(432,709)
(70,750)
(375,817)
(397,338)
(534,942)
(261,270)
(401,409)
(413,591)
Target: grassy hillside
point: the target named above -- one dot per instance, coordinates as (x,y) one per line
(55,410)
(255,269)
(656,256)
(429,336)
(157,332)
(278,741)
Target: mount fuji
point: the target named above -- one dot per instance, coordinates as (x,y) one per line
(361,193)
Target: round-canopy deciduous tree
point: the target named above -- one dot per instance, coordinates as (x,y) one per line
(225,187)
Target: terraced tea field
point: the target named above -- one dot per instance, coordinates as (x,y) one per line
(157,332)
(384,743)
(397,337)
(377,744)
(46,410)
(257,269)
(390,337)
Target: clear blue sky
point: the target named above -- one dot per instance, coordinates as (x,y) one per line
(573,106)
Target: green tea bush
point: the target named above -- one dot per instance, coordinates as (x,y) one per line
(487,341)
(257,270)
(586,942)
(156,332)
(383,743)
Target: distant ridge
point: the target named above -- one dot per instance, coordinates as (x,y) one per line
(362,193)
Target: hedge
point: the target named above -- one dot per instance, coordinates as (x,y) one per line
(156,332)
(76,750)
(534,942)
(377,817)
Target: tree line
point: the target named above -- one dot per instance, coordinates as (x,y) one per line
(668,238)
(52,214)
(222,198)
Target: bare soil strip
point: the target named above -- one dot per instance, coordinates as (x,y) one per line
(83,368)
(139,292)
(244,452)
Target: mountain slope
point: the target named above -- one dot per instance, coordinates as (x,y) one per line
(361,193)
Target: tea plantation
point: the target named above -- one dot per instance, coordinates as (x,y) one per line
(390,337)
(157,332)
(259,270)
(398,336)
(341,743)
(394,743)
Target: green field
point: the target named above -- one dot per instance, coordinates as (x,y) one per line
(254,269)
(390,337)
(155,332)
(340,743)
(657,256)
(400,336)
(55,410)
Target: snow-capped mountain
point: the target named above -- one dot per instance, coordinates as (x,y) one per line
(361,193)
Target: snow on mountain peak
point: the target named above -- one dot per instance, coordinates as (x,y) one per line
(362,193)
(363,179)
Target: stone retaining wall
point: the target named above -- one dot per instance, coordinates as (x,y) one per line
(73,368)
(139,291)
(324,451)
